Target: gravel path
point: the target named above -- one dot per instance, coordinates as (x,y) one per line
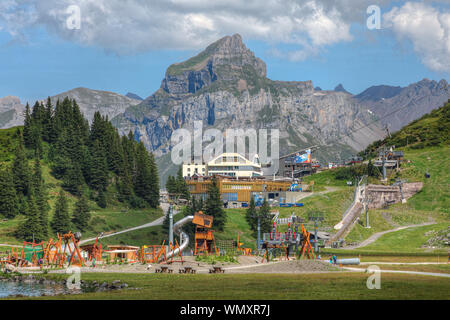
(377,235)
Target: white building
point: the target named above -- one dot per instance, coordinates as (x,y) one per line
(199,168)
(227,164)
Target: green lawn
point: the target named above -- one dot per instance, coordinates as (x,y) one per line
(147,236)
(431,203)
(407,240)
(338,285)
(435,195)
(237,225)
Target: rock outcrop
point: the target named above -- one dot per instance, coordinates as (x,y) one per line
(12,112)
(107,103)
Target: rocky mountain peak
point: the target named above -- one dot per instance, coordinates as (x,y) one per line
(340,88)
(9,102)
(226,60)
(132,95)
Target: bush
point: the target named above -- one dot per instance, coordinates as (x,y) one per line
(213,259)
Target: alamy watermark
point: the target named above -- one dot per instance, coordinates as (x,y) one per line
(73,22)
(374,20)
(188,145)
(74,280)
(374,281)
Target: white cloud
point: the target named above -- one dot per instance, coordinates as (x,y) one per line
(307,26)
(127,27)
(427,28)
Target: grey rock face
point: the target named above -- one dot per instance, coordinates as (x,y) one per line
(224,60)
(11,112)
(107,103)
(133,96)
(413,101)
(340,88)
(226,86)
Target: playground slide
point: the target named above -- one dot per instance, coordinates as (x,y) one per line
(183,236)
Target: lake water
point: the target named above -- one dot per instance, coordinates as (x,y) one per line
(9,288)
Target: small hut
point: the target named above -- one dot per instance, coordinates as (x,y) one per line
(122,252)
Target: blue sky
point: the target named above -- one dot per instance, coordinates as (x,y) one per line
(38,60)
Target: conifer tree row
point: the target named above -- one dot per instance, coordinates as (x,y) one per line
(92,161)
(177,185)
(92,157)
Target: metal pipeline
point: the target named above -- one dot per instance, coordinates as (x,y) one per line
(347,261)
(183,236)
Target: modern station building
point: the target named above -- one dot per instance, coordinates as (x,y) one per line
(232,189)
(226,164)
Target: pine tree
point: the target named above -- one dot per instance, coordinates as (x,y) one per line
(142,186)
(21,170)
(73,179)
(101,199)
(36,139)
(36,179)
(154,182)
(125,186)
(214,205)
(99,170)
(31,229)
(27,127)
(265,217)
(41,196)
(263,213)
(251,215)
(182,187)
(47,122)
(61,220)
(22,204)
(81,214)
(171,185)
(9,206)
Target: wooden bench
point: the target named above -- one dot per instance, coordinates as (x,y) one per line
(216,270)
(164,269)
(187,270)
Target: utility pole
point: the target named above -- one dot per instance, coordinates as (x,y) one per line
(367,213)
(258,230)
(400,182)
(316,217)
(170,224)
(258,244)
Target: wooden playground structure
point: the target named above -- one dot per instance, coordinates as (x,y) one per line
(284,242)
(241,249)
(94,251)
(158,253)
(204,242)
(56,253)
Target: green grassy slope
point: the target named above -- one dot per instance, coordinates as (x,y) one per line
(428,150)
